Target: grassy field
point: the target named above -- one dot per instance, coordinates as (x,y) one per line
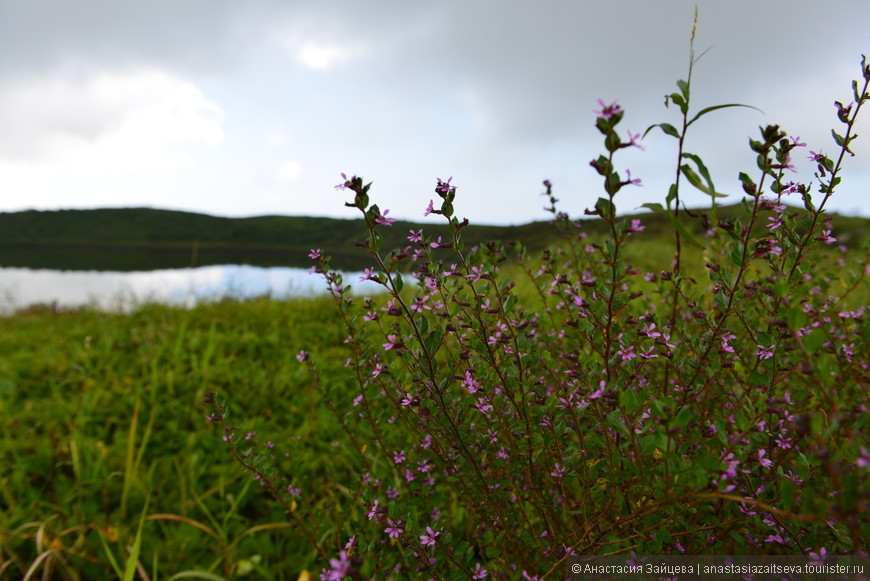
(104,424)
(109,463)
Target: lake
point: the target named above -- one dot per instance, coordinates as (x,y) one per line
(23,287)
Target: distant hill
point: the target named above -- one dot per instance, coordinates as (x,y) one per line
(146,238)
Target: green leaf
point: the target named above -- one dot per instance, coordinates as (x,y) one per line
(433,341)
(679,101)
(672,195)
(702,169)
(397,280)
(736,255)
(684,88)
(706,110)
(195,574)
(682,230)
(838,138)
(605,208)
(614,420)
(628,400)
(655,207)
(695,180)
(666,127)
(133,558)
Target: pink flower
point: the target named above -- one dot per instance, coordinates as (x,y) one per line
(429,538)
(340,568)
(383,220)
(633,141)
(395,529)
(607,111)
(635,226)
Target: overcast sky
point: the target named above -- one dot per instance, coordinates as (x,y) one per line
(255,107)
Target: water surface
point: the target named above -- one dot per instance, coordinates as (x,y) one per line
(23,287)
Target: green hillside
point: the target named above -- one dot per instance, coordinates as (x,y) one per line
(145,238)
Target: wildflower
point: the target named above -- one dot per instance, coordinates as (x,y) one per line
(475,274)
(379,368)
(818,157)
(340,568)
(764,461)
(635,224)
(826,237)
(764,352)
(843,112)
(558,472)
(470,383)
(607,111)
(392,341)
(395,529)
(430,209)
(632,141)
(302,356)
(775,222)
(368,274)
(383,220)
(598,393)
(634,182)
(479,572)
(376,512)
(429,538)
(314,254)
(443,188)
(399,456)
(416,236)
(344,184)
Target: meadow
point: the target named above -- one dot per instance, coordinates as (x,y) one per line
(494,413)
(106,425)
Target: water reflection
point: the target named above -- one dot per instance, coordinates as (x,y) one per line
(22,287)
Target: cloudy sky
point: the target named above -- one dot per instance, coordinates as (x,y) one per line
(247,108)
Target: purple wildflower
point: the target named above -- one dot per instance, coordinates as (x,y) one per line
(429,538)
(383,220)
(607,111)
(395,529)
(340,568)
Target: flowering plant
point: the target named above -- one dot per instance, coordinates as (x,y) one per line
(494,430)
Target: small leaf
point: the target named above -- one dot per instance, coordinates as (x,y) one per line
(838,138)
(672,195)
(684,88)
(400,284)
(605,208)
(666,127)
(695,180)
(680,102)
(706,110)
(654,206)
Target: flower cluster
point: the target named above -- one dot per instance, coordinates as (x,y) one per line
(499,425)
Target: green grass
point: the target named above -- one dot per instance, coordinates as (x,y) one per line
(104,425)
